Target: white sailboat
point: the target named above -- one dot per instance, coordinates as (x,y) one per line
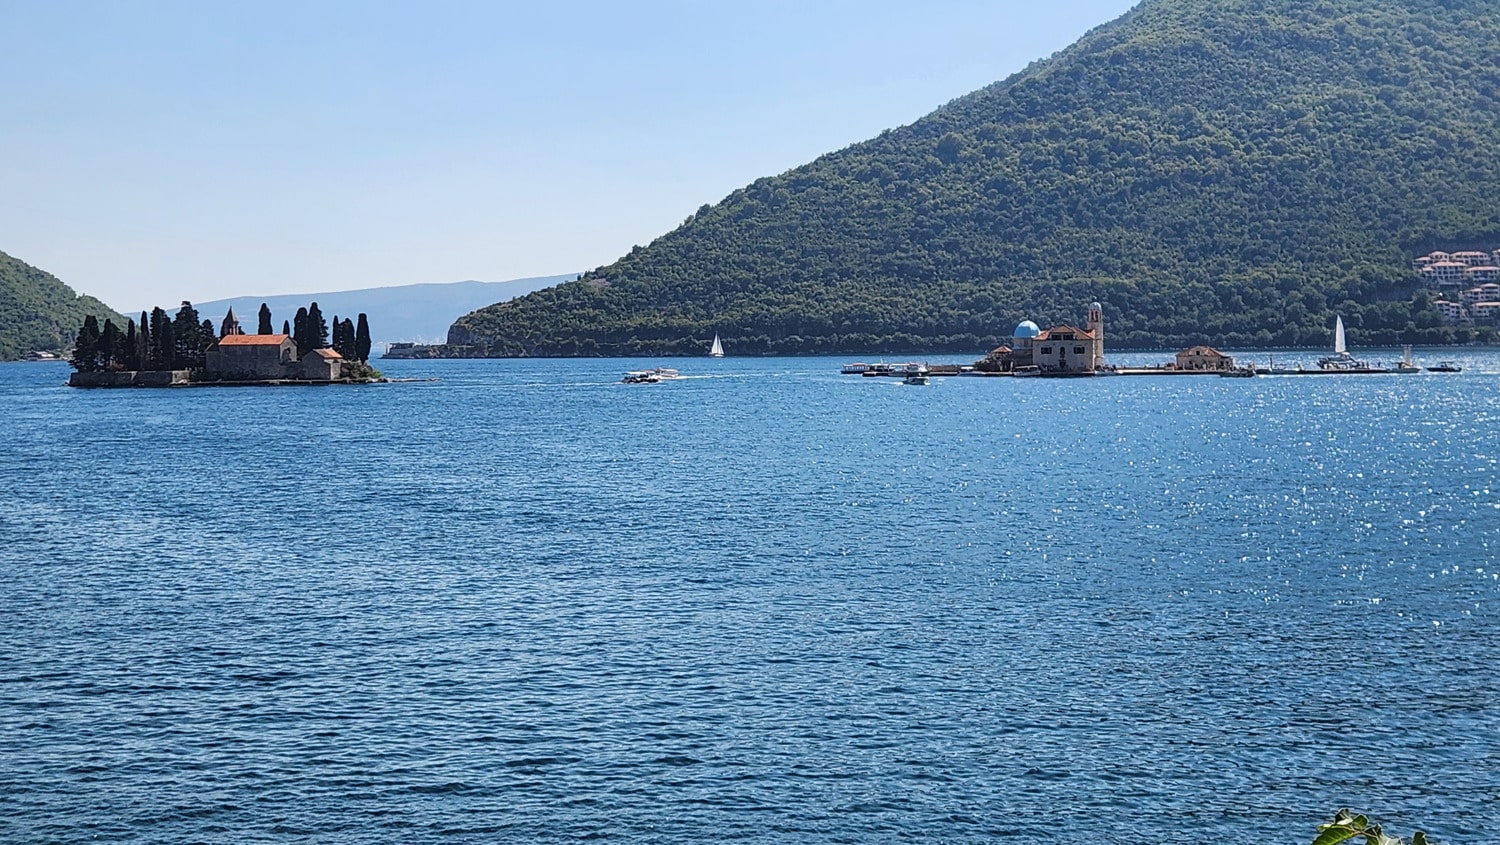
(717,350)
(1341,359)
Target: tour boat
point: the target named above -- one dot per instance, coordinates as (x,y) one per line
(858,368)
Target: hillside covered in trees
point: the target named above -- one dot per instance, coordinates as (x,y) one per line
(1231,172)
(38,312)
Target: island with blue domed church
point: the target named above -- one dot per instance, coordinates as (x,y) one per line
(1069,351)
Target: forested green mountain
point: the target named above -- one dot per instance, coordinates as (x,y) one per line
(1223,171)
(39,312)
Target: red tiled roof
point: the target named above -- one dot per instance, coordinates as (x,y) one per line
(1078,334)
(326,353)
(252,339)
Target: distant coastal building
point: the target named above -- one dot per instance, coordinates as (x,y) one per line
(1466,280)
(1489,292)
(1485,313)
(432,350)
(1453,312)
(1204,358)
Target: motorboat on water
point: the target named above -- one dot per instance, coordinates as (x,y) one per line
(1028,371)
(915,374)
(880,369)
(655,375)
(1405,365)
(1445,367)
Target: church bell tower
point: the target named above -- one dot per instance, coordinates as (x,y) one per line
(1096,328)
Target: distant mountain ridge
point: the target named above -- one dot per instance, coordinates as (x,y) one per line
(1230,172)
(40,313)
(418,313)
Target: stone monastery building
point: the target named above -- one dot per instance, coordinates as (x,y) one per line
(269,356)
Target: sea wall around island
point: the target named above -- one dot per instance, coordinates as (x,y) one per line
(190,378)
(131,378)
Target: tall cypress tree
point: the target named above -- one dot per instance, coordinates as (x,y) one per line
(286,328)
(187,339)
(206,340)
(362,339)
(143,345)
(162,349)
(317,327)
(300,333)
(343,337)
(131,357)
(265,320)
(86,348)
(111,342)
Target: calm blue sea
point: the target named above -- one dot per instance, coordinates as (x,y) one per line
(765,603)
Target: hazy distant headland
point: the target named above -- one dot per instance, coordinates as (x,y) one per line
(418,313)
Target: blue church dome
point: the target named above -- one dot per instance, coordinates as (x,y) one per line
(1027,329)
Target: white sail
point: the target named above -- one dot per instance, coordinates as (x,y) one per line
(717,350)
(1338,336)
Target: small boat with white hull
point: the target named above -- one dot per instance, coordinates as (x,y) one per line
(1405,365)
(914,374)
(655,375)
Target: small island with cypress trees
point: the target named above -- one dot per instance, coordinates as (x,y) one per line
(181,351)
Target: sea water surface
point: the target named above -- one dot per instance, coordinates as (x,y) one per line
(765,603)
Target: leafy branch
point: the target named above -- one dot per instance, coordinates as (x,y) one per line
(1348,827)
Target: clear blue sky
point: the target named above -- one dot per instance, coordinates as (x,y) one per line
(157,151)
